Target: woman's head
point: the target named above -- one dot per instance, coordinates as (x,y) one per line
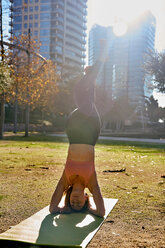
(77,200)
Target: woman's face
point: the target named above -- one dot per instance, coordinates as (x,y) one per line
(77,199)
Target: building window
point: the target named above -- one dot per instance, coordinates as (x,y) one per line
(44,32)
(18,19)
(18,3)
(44,16)
(36,16)
(45,8)
(25,9)
(58,49)
(30,17)
(30,1)
(17,26)
(36,8)
(36,24)
(31,9)
(45,1)
(35,33)
(30,25)
(44,49)
(25,18)
(26,1)
(25,25)
(36,1)
(17,33)
(44,25)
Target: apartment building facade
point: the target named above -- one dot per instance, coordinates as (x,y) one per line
(59,26)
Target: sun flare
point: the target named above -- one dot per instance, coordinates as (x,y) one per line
(120,28)
(126,12)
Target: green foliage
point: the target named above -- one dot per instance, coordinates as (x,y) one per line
(120,112)
(156,67)
(153,109)
(5,79)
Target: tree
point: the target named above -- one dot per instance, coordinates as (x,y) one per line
(120,112)
(155,67)
(153,109)
(5,85)
(35,81)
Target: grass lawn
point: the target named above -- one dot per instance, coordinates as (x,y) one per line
(30,169)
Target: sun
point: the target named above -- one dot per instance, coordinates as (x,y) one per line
(120,28)
(126,12)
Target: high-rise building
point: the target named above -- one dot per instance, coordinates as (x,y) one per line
(123,73)
(59,25)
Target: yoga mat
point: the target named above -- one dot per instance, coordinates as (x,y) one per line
(60,230)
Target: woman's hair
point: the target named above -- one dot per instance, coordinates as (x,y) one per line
(67,201)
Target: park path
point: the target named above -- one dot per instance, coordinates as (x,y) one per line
(160,141)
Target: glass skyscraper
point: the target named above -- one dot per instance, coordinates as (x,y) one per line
(60,26)
(123,73)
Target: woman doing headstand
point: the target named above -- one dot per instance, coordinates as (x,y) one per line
(83,129)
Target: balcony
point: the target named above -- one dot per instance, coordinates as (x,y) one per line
(83,3)
(57,18)
(58,35)
(55,2)
(75,19)
(55,51)
(11,8)
(75,11)
(76,35)
(11,24)
(58,27)
(78,7)
(58,59)
(11,15)
(72,62)
(73,28)
(10,30)
(58,10)
(75,43)
(74,50)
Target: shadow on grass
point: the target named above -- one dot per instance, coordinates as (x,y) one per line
(37,137)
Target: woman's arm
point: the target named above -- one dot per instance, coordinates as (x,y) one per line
(98,199)
(57,195)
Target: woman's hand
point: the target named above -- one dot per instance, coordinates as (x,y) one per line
(63,210)
(94,188)
(96,212)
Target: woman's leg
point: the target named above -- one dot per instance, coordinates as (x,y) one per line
(85,90)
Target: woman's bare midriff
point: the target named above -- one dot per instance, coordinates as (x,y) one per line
(81,152)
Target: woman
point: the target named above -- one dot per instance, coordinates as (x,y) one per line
(83,128)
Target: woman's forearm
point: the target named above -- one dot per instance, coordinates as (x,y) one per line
(100,212)
(57,195)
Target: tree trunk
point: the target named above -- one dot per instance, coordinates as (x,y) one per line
(27,120)
(27,105)
(2,116)
(15,115)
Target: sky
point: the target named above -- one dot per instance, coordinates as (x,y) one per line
(105,12)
